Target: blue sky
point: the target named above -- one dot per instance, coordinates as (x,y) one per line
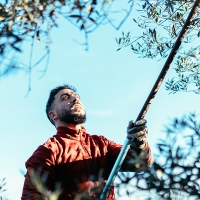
(113,86)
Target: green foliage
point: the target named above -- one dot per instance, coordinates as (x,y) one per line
(160,23)
(23,20)
(38,180)
(20,19)
(187,68)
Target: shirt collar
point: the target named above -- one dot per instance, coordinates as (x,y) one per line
(63,131)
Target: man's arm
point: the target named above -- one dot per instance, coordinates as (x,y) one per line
(139,156)
(40,176)
(137,160)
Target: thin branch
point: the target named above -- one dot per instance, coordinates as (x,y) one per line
(123,20)
(30,65)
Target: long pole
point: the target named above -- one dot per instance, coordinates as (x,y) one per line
(150,98)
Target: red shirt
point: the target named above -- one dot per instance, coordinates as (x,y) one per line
(70,159)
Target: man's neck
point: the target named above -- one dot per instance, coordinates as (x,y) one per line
(74,126)
(69,125)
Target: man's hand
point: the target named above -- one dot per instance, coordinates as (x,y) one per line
(89,190)
(137,132)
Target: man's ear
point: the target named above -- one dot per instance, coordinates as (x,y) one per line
(53,115)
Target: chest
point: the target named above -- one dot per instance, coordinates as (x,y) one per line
(82,159)
(79,150)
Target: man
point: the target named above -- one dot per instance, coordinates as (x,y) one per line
(73,164)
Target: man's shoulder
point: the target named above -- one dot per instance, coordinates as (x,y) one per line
(97,136)
(46,149)
(51,142)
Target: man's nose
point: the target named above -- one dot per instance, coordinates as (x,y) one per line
(75,99)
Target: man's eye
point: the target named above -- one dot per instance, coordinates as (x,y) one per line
(64,97)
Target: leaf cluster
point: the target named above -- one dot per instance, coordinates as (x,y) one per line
(23,20)
(187,69)
(160,23)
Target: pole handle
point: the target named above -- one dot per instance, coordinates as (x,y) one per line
(116,168)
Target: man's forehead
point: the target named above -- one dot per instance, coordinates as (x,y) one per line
(63,91)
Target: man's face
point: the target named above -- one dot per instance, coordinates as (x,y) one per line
(68,107)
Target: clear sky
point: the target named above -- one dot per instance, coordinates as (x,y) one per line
(113,86)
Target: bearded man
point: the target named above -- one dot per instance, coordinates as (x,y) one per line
(73,164)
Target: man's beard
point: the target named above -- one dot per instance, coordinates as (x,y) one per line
(70,118)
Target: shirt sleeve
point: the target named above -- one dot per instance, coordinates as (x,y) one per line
(40,176)
(135,160)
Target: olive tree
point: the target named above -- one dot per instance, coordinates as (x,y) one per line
(160,22)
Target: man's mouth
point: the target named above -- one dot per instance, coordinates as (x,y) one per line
(77,105)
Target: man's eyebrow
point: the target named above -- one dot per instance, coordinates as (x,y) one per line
(69,94)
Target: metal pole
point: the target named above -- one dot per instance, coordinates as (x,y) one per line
(150,98)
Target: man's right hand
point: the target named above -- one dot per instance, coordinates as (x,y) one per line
(89,190)
(137,132)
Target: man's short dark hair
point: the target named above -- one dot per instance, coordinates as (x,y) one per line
(53,92)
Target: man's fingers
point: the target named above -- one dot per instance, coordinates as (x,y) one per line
(130,124)
(136,129)
(140,133)
(140,136)
(137,132)
(140,122)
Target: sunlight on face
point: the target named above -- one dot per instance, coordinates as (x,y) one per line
(69,107)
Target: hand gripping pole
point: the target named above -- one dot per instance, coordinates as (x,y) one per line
(150,98)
